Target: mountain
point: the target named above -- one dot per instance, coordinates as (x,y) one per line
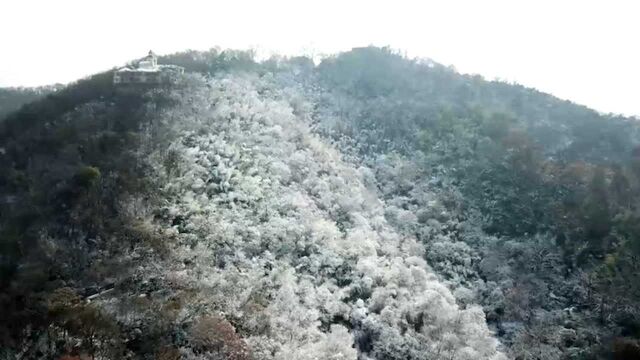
(370,207)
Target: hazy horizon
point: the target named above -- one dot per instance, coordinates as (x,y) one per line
(579,51)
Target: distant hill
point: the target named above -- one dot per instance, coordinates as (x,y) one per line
(370,207)
(12,98)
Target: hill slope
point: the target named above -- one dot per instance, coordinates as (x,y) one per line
(11,99)
(540,195)
(371,206)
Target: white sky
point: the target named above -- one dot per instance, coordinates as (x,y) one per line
(585,51)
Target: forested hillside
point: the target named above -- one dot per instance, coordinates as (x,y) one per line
(541,195)
(11,99)
(369,207)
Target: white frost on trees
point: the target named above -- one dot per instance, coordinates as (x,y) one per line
(277,233)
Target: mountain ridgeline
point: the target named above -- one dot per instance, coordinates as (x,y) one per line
(368,207)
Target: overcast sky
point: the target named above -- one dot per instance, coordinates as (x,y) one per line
(585,51)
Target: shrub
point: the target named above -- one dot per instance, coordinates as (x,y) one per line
(217,335)
(168,353)
(62,302)
(87,176)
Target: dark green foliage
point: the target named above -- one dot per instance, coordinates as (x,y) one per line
(171,161)
(527,162)
(55,104)
(597,217)
(212,61)
(367,72)
(66,162)
(11,99)
(87,176)
(501,140)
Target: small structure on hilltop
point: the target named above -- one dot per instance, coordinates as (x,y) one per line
(147,71)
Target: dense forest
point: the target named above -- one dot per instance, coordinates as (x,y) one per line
(367,207)
(12,98)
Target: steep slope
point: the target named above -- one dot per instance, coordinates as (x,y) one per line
(278,236)
(371,207)
(537,195)
(68,162)
(248,237)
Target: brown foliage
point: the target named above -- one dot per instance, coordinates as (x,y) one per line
(85,321)
(168,353)
(214,333)
(62,301)
(575,175)
(148,235)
